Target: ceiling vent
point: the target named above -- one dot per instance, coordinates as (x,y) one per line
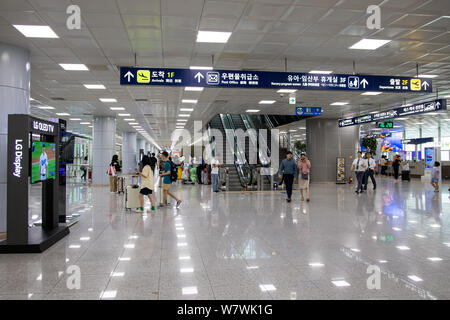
(97,67)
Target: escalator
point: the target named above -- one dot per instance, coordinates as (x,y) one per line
(235,161)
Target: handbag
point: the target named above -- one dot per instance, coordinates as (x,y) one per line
(112,171)
(305,176)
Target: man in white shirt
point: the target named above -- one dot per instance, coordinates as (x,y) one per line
(371,165)
(215,165)
(43,163)
(359,166)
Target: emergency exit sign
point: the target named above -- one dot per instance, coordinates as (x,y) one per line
(292,100)
(386,125)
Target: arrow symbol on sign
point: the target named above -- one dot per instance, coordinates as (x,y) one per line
(438,105)
(129,74)
(425,84)
(199,76)
(364,83)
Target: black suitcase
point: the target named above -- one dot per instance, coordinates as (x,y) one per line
(405,176)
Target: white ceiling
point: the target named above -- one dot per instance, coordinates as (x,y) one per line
(311,34)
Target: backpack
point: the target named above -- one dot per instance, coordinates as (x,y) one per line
(173,172)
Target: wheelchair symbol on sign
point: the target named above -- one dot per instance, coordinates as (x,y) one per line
(353,82)
(212,78)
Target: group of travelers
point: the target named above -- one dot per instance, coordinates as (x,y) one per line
(364,168)
(147,174)
(289,170)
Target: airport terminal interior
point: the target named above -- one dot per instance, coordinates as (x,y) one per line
(224,150)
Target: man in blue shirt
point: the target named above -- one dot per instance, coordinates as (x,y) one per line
(288,171)
(166,181)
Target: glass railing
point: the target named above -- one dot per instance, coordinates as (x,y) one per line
(263,158)
(240,160)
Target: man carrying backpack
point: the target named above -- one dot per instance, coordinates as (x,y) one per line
(167,178)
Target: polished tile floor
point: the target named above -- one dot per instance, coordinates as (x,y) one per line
(246,246)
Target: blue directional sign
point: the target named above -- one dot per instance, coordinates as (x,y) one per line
(308,111)
(270,80)
(430,106)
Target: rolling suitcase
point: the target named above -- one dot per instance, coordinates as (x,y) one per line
(406,176)
(132,195)
(121,185)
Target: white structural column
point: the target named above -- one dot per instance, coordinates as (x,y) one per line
(129,152)
(14,99)
(103,145)
(140,145)
(147,148)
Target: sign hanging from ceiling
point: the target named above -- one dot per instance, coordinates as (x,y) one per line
(308,111)
(431,106)
(417,141)
(270,80)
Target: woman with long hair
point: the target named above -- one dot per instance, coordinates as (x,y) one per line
(148,182)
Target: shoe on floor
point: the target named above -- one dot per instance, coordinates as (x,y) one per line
(178,203)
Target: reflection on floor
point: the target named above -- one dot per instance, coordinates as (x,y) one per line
(247,246)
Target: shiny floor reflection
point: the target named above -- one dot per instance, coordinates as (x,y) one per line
(246,246)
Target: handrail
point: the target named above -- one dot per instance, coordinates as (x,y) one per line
(263,158)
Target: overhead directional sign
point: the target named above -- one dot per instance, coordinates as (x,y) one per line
(308,111)
(417,141)
(431,106)
(270,80)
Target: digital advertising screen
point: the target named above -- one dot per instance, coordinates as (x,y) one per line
(43,161)
(392,143)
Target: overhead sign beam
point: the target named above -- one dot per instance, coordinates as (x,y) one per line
(430,106)
(130,76)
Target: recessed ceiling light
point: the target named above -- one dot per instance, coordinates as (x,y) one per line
(287,90)
(420,235)
(62,114)
(85,123)
(396,229)
(428,76)
(292,130)
(94,86)
(339,104)
(133,123)
(129,119)
(187,109)
(189,101)
(434,259)
(369,44)
(340,283)
(75,119)
(267,287)
(415,278)
(184,115)
(382,261)
(110,294)
(371,93)
(320,72)
(46,108)
(194,88)
(402,247)
(267,102)
(108,100)
(124,114)
(213,36)
(31,31)
(74,66)
(316,264)
(117,108)
(31,99)
(252,110)
(200,68)
(181,120)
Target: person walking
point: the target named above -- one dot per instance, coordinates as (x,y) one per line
(371,165)
(435,173)
(383,163)
(396,166)
(288,172)
(359,165)
(166,179)
(114,169)
(215,165)
(153,159)
(148,182)
(304,166)
(84,168)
